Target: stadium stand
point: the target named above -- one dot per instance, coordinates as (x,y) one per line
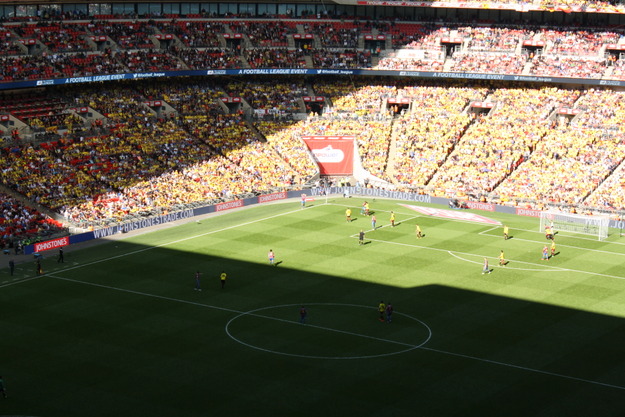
(269,96)
(57,37)
(491,64)
(219,58)
(140,161)
(21,225)
(274,58)
(195,34)
(426,136)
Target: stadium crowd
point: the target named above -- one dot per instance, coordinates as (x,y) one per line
(490,148)
(343,59)
(218,58)
(438,146)
(197,34)
(414,64)
(573,67)
(490,64)
(441,120)
(140,161)
(171,44)
(275,58)
(21,224)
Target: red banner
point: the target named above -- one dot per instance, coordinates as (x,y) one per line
(272,197)
(478,205)
(567,111)
(51,244)
(229,205)
(527,212)
(333,154)
(399,100)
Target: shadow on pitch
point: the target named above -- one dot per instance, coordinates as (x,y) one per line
(155,279)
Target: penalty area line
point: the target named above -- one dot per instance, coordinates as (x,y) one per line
(483,232)
(553,268)
(486,233)
(556,268)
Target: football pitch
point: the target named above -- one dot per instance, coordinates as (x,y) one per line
(119,329)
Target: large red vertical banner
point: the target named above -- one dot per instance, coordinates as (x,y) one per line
(333,154)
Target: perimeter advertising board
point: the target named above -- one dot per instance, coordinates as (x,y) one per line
(319,71)
(333,154)
(51,244)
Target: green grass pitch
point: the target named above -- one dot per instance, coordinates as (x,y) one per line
(118,330)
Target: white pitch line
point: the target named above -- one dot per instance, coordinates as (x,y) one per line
(510,267)
(234,311)
(329,329)
(489,230)
(383,211)
(574,236)
(387,225)
(229,310)
(462,259)
(562,245)
(20,280)
(158,246)
(425,216)
(473,254)
(524,368)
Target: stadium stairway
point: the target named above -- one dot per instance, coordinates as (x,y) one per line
(15,123)
(392,153)
(527,67)
(30,203)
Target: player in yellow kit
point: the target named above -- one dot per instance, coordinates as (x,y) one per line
(381,310)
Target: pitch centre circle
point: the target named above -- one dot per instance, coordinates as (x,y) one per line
(331,331)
